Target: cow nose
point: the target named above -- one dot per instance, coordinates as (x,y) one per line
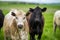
(20,26)
(37,21)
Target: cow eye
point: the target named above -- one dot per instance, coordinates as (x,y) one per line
(24,18)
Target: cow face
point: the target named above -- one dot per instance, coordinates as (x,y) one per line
(36,15)
(20,19)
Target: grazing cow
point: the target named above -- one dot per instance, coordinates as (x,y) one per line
(36,22)
(56,20)
(15,26)
(1,19)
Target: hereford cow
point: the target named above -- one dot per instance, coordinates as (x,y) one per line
(15,26)
(36,22)
(56,20)
(1,18)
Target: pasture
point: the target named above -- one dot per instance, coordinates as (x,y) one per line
(48,15)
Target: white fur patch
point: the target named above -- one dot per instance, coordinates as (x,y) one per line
(24,35)
(57,17)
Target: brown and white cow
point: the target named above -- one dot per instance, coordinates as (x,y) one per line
(15,26)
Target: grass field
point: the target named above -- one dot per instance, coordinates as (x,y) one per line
(48,15)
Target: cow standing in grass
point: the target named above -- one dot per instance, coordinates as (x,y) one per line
(15,26)
(1,18)
(56,20)
(36,22)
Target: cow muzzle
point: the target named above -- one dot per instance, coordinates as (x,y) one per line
(37,21)
(20,26)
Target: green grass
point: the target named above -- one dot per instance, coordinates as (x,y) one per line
(48,15)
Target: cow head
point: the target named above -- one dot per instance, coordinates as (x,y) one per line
(19,17)
(35,14)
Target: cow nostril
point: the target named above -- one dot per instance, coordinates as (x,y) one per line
(37,21)
(20,26)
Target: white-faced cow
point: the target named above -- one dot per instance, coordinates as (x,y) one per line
(36,22)
(1,18)
(56,20)
(15,26)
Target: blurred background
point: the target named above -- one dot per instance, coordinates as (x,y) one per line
(51,5)
(34,1)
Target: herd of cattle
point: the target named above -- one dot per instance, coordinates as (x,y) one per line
(17,24)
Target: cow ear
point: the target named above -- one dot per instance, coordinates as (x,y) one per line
(31,10)
(44,9)
(13,14)
(27,13)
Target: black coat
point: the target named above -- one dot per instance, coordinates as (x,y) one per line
(1,19)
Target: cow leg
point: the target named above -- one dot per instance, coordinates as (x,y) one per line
(7,37)
(32,36)
(54,27)
(39,35)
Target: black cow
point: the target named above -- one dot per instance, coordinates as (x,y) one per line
(36,22)
(1,18)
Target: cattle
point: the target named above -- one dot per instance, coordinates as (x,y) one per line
(15,25)
(56,20)
(36,22)
(1,18)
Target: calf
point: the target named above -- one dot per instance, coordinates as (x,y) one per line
(15,26)
(1,18)
(56,20)
(36,22)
